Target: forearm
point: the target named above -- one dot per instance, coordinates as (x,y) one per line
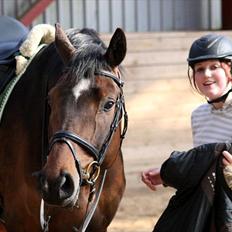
(185,169)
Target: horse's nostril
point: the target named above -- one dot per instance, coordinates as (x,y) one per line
(42,181)
(66,187)
(55,190)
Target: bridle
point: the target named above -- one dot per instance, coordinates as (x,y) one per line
(90,175)
(98,155)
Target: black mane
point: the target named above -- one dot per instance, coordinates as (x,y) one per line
(89,57)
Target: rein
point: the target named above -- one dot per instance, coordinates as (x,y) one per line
(90,175)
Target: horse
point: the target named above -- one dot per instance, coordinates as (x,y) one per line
(61,163)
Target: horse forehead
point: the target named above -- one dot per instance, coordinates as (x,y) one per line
(82,85)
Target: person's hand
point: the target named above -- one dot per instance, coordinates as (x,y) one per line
(227,158)
(227,170)
(152,178)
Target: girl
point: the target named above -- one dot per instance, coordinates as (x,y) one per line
(210,66)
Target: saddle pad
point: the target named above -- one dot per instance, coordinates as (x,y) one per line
(10,86)
(7,73)
(13,33)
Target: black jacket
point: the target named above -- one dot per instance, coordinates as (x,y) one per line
(203,201)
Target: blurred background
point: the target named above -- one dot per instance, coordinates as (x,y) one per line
(131,15)
(158,95)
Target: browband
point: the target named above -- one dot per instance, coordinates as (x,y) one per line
(118,81)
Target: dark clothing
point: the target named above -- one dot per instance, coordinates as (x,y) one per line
(203,201)
(13,33)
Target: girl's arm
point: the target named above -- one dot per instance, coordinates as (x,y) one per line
(184,170)
(181,169)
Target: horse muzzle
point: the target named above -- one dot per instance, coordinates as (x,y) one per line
(62,191)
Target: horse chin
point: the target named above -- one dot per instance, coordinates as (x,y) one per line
(71,201)
(61,197)
(64,202)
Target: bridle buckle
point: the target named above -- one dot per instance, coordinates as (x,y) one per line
(92,172)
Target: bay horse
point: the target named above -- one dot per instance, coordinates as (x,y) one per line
(61,135)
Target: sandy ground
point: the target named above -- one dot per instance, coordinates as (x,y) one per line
(159,123)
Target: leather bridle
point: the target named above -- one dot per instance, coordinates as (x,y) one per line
(99,155)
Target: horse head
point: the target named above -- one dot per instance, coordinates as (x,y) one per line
(86,106)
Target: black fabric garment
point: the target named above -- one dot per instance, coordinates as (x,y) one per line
(222,203)
(196,206)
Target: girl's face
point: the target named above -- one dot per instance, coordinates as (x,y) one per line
(212,78)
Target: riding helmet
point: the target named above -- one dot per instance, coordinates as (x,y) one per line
(211,46)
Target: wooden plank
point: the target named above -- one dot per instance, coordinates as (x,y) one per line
(159,44)
(162,41)
(159,86)
(172,34)
(166,71)
(147,58)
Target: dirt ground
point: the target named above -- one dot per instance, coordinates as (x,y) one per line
(159,123)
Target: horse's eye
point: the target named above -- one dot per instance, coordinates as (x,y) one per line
(108,105)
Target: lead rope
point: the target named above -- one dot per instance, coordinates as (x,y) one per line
(90,212)
(44,223)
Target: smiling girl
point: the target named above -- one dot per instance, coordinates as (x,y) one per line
(197,206)
(210,62)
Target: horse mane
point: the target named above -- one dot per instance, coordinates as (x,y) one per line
(89,56)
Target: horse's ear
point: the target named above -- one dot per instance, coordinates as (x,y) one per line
(63,45)
(117,48)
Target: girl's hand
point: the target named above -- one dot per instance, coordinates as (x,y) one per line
(152,178)
(227,159)
(227,170)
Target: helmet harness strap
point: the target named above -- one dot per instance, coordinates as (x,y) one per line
(220,99)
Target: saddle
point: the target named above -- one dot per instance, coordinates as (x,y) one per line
(12,36)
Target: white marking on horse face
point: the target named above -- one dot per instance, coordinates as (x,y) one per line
(82,85)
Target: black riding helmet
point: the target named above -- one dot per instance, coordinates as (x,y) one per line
(211,46)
